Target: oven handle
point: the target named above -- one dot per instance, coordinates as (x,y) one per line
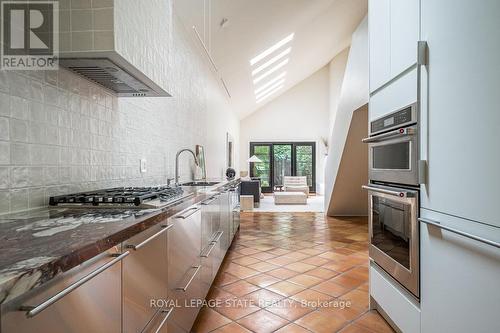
(399,194)
(395,133)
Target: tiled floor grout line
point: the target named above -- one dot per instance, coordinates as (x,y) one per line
(265,234)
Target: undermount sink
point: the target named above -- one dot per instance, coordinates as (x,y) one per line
(199,184)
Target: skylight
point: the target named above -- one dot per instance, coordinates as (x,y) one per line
(265,65)
(271,61)
(270,88)
(265,96)
(270,50)
(271,71)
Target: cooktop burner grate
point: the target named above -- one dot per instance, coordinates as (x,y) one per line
(119,196)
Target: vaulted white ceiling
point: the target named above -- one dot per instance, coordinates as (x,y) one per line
(317,30)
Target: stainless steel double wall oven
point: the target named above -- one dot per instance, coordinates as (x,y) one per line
(394,195)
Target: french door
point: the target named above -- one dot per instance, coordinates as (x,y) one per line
(280,159)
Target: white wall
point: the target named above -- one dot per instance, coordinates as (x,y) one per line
(354,94)
(299,114)
(59,133)
(336,71)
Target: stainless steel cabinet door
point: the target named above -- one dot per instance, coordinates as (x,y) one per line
(145,274)
(225,219)
(93,303)
(206,246)
(184,247)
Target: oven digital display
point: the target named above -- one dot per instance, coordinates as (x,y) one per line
(389,122)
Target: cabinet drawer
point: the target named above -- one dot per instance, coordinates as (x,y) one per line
(184,272)
(94,305)
(459,276)
(145,276)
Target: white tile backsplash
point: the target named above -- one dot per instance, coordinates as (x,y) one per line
(60,133)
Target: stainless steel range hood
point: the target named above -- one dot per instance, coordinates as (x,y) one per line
(121,77)
(109,44)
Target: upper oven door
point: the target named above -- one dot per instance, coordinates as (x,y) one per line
(393,156)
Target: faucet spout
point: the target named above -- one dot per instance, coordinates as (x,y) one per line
(176,179)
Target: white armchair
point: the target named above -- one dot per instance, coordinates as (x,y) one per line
(295,184)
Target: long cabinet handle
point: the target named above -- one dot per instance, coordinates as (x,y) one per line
(164,229)
(216,240)
(213,244)
(395,133)
(167,313)
(193,209)
(401,194)
(197,268)
(32,311)
(209,201)
(458,232)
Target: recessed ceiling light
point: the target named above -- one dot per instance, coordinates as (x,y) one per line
(271,61)
(258,94)
(280,77)
(269,72)
(270,50)
(263,97)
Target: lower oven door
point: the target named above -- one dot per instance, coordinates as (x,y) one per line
(394,234)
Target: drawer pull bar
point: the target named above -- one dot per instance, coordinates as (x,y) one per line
(165,228)
(167,313)
(209,201)
(32,311)
(193,209)
(212,244)
(461,233)
(191,279)
(216,240)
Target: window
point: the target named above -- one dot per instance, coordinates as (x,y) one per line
(280,159)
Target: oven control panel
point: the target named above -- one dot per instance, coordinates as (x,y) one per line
(403,117)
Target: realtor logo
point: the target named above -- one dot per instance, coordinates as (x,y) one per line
(29,35)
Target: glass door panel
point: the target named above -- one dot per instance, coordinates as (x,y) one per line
(304,163)
(282,165)
(262,169)
(280,159)
(391,229)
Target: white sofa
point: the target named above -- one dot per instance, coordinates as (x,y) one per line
(295,184)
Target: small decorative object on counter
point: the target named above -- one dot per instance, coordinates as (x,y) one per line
(230,173)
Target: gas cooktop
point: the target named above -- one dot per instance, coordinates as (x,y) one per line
(140,197)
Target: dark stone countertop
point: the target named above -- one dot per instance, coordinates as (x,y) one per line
(38,245)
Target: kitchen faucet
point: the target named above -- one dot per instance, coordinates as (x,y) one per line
(176,179)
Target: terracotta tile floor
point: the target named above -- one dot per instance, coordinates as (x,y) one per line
(292,272)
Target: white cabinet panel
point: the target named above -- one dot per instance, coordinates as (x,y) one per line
(462,86)
(459,278)
(404,34)
(399,93)
(379,34)
(396,302)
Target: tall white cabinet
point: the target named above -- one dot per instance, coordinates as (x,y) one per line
(463,108)
(458,93)
(461,143)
